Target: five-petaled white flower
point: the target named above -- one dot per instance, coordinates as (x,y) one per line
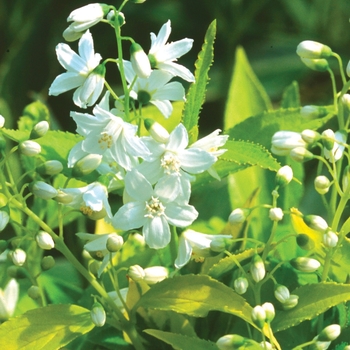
(8,299)
(162,55)
(152,209)
(196,245)
(83,72)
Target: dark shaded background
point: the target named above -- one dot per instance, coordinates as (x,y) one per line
(269,30)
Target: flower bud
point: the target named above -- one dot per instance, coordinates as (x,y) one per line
(111,17)
(114,243)
(345,99)
(44,240)
(305,264)
(86,165)
(269,311)
(322,184)
(320,65)
(316,223)
(155,274)
(301,154)
(259,316)
(139,61)
(329,333)
(136,273)
(313,49)
(16,272)
(276,214)
(266,345)
(2,121)
(238,216)
(98,314)
(51,167)
(34,292)
(310,136)
(284,175)
(43,190)
(291,302)
(63,197)
(230,342)
(240,285)
(282,293)
(313,112)
(284,141)
(330,239)
(47,263)
(305,242)
(29,148)
(217,245)
(340,138)
(39,130)
(328,138)
(157,131)
(257,268)
(4,219)
(18,257)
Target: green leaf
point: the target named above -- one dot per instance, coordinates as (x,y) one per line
(46,328)
(246,95)
(182,342)
(314,299)
(196,94)
(195,295)
(32,114)
(291,97)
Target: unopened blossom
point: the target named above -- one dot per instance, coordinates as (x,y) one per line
(163,55)
(313,49)
(18,257)
(284,175)
(282,293)
(305,264)
(156,89)
(316,222)
(257,268)
(104,131)
(319,65)
(310,136)
(83,72)
(50,167)
(269,310)
(139,61)
(238,216)
(2,121)
(240,285)
(301,154)
(155,274)
(29,148)
(337,150)
(43,190)
(322,184)
(276,214)
(259,316)
(98,315)
(284,141)
(8,299)
(330,239)
(231,342)
(39,130)
(87,164)
(197,245)
(291,302)
(330,333)
(157,131)
(44,240)
(152,209)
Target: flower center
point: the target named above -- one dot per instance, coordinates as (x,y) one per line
(170,163)
(154,207)
(86,210)
(105,141)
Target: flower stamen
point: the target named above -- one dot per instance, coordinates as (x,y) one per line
(154,208)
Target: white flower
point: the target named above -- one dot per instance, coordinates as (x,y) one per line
(8,299)
(44,240)
(152,209)
(98,315)
(155,89)
(91,200)
(195,244)
(338,148)
(83,72)
(105,131)
(162,55)
(313,49)
(284,141)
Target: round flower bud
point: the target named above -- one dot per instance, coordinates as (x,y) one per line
(322,184)
(114,243)
(43,190)
(259,316)
(217,245)
(39,130)
(266,345)
(316,223)
(284,141)
(86,165)
(345,99)
(312,112)
(329,333)
(238,216)
(230,342)
(282,293)
(320,65)
(139,61)
(34,292)
(310,136)
(257,268)
(29,148)
(4,219)
(269,311)
(44,240)
(155,274)
(51,167)
(305,242)
(2,121)
(284,175)
(47,263)
(121,17)
(305,264)
(18,257)
(276,214)
(330,239)
(157,131)
(328,138)
(313,49)
(301,154)
(240,285)
(291,302)
(136,273)
(16,272)
(98,314)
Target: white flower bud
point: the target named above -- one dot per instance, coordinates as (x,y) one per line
(310,136)
(121,17)
(238,216)
(2,121)
(240,285)
(136,273)
(316,223)
(50,167)
(39,130)
(269,310)
(257,268)
(114,243)
(346,101)
(98,315)
(86,165)
(328,138)
(218,245)
(291,302)
(322,184)
(259,316)
(44,240)
(313,49)
(329,333)
(266,345)
(43,190)
(320,65)
(155,274)
(139,61)
(312,112)
(284,141)
(230,342)
(305,264)
(157,131)
(330,239)
(282,293)
(18,257)
(301,154)
(276,214)
(284,175)
(29,148)
(4,219)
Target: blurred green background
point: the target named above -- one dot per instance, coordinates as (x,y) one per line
(269,31)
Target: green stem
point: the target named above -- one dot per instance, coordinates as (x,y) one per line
(173,243)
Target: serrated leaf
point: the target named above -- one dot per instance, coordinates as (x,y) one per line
(182,342)
(195,295)
(196,93)
(46,328)
(314,299)
(246,96)
(291,96)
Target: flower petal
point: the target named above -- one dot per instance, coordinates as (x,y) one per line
(174,50)
(157,232)
(131,215)
(184,253)
(180,215)
(195,160)
(70,60)
(157,42)
(65,82)
(177,70)
(137,186)
(173,91)
(164,107)
(178,139)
